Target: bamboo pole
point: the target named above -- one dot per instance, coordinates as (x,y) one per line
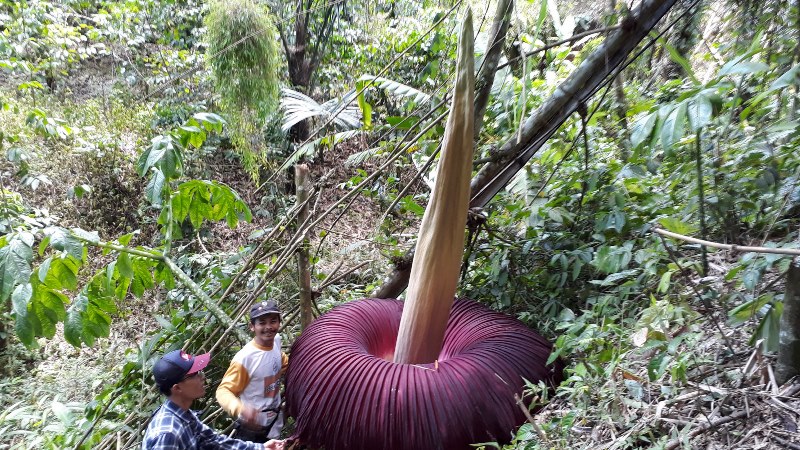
(301,174)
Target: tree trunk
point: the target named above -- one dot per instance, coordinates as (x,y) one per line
(304,54)
(488,70)
(304,273)
(578,88)
(789,345)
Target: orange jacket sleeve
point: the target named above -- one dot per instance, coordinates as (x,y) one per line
(231,386)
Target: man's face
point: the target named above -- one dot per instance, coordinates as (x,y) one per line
(193,386)
(265,328)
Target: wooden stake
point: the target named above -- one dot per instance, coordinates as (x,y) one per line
(301,185)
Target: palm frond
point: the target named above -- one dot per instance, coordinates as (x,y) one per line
(397,89)
(297,107)
(360,157)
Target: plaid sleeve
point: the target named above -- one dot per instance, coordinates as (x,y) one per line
(165,433)
(208,439)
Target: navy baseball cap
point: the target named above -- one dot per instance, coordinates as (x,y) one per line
(263,308)
(173,367)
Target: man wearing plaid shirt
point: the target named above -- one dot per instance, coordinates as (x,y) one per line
(180,377)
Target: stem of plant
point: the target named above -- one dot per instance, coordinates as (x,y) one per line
(701,202)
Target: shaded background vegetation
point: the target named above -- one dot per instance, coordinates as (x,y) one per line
(112,114)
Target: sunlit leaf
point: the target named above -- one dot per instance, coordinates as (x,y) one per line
(673,128)
(699,112)
(643,129)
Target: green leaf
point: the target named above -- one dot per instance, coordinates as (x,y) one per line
(19,301)
(792,76)
(154,189)
(673,128)
(657,366)
(61,273)
(63,240)
(740,66)
(680,60)
(89,316)
(124,265)
(15,266)
(366,108)
(663,284)
(643,129)
(142,278)
(125,239)
(677,226)
(48,306)
(153,154)
(699,112)
(397,89)
(747,310)
(410,205)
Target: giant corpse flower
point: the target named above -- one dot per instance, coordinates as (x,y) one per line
(430,372)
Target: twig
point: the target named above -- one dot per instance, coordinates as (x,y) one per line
(531,420)
(675,443)
(785,443)
(729,247)
(700,297)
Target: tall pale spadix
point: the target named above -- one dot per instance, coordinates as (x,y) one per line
(440,245)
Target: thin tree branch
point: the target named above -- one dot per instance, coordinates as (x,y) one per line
(729,247)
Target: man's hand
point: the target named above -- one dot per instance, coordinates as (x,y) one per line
(273,444)
(249,415)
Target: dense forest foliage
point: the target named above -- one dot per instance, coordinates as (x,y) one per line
(153,154)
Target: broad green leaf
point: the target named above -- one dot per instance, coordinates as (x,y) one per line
(63,240)
(792,76)
(19,301)
(769,329)
(88,236)
(643,129)
(165,276)
(153,155)
(125,239)
(677,226)
(61,273)
(171,162)
(699,112)
(397,89)
(142,278)
(366,108)
(73,325)
(89,316)
(673,128)
(747,310)
(663,284)
(48,306)
(210,121)
(740,66)
(44,267)
(657,365)
(124,265)
(15,266)
(155,188)
(410,205)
